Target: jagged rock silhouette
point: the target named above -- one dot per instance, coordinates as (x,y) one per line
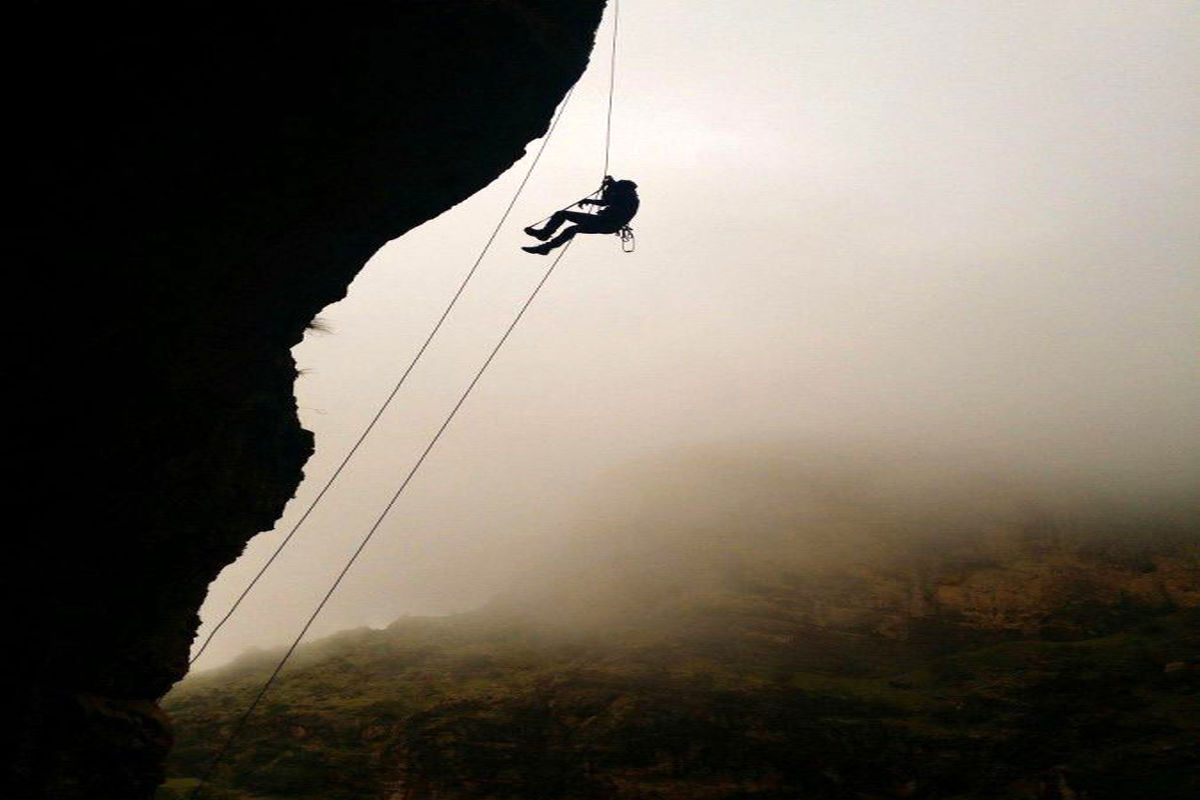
(197,181)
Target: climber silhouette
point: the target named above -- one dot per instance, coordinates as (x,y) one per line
(618,203)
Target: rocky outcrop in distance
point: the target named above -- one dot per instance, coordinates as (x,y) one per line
(196,181)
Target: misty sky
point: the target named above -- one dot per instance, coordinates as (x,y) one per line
(926,225)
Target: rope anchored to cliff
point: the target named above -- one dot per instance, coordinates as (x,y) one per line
(624,231)
(614,204)
(395,389)
(240,724)
(610,196)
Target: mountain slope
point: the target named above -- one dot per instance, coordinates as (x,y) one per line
(771,680)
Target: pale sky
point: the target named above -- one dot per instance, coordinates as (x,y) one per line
(960,225)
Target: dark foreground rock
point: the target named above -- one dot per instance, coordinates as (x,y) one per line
(195,181)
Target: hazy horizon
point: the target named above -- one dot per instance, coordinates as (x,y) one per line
(925,238)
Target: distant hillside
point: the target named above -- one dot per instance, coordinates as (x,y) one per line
(1033,662)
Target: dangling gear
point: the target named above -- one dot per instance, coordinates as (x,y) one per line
(628,242)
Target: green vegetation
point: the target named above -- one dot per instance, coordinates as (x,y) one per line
(1008,666)
(747,705)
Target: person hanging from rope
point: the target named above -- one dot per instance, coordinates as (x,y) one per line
(618,203)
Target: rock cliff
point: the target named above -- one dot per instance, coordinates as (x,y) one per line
(196,181)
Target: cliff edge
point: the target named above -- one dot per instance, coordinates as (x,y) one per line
(196,181)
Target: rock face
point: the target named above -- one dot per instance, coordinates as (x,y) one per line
(197,181)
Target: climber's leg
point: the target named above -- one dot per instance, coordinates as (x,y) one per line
(552,224)
(564,237)
(557,241)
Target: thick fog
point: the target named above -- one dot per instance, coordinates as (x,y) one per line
(874,237)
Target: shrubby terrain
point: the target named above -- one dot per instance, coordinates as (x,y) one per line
(1043,659)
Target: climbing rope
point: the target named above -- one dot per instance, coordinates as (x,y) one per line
(612,78)
(628,244)
(241,722)
(578,202)
(396,388)
(626,235)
